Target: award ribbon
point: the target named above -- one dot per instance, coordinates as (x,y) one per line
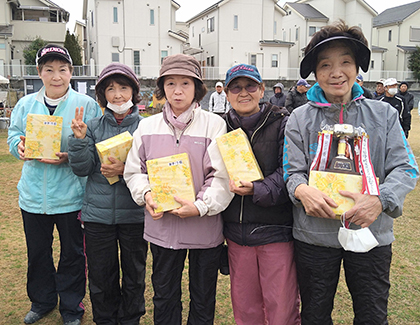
(370,183)
(323,151)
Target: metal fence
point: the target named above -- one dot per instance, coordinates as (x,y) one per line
(209,73)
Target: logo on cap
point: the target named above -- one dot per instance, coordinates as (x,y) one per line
(240,67)
(53,49)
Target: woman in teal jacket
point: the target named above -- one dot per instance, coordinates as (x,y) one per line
(113,222)
(50,194)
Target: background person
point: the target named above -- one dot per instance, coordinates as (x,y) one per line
(218,103)
(380,90)
(366,92)
(113,222)
(279,98)
(297,95)
(409,98)
(398,102)
(196,227)
(335,54)
(258,221)
(51,195)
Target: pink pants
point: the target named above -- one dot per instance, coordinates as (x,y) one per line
(264,287)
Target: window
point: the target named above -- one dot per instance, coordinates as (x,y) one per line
(115,15)
(210,25)
(208,61)
(163,54)
(115,57)
(389,35)
(297,34)
(312,30)
(274,60)
(91,17)
(192,31)
(372,64)
(235,22)
(152,16)
(212,61)
(414,34)
(136,62)
(275,28)
(253,60)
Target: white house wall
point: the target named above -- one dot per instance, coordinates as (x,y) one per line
(357,15)
(352,12)
(5,43)
(291,22)
(412,21)
(137,34)
(375,73)
(255,23)
(390,57)
(228,46)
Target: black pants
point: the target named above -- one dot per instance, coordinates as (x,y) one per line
(168,265)
(45,283)
(112,304)
(367,278)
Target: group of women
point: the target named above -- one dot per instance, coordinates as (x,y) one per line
(281,233)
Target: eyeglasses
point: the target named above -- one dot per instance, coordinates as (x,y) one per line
(236,89)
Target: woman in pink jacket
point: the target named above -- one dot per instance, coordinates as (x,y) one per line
(196,227)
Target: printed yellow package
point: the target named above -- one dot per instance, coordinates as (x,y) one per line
(238,157)
(43,136)
(330,183)
(117,147)
(168,177)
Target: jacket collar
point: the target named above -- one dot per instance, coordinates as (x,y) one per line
(317,95)
(128,120)
(41,94)
(233,120)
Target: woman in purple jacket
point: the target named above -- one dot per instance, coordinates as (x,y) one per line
(258,221)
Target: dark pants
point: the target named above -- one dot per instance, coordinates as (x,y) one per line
(44,281)
(168,265)
(106,246)
(367,278)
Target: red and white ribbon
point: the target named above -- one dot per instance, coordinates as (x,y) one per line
(322,155)
(370,182)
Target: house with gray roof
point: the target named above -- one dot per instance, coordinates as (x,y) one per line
(20,23)
(305,17)
(138,33)
(236,31)
(398,30)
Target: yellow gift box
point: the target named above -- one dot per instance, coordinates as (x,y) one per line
(330,183)
(168,177)
(238,157)
(43,136)
(116,147)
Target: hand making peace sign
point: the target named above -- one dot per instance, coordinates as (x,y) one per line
(77,125)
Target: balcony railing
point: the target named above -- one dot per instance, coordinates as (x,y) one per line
(209,73)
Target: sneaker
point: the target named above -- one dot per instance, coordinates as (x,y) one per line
(32,317)
(73,322)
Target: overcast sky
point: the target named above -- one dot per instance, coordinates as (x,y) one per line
(190,8)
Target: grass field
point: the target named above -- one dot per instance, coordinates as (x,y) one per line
(14,304)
